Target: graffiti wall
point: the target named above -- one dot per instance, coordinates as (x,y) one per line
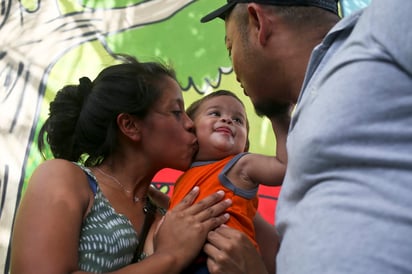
(45,44)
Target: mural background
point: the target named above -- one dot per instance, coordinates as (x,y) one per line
(50,43)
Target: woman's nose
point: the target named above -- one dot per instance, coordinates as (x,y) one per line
(189,124)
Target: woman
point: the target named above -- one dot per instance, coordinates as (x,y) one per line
(85,210)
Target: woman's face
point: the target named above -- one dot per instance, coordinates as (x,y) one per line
(168,137)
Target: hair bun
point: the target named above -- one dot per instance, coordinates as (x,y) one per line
(85,86)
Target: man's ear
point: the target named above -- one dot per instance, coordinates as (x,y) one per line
(129,125)
(260,22)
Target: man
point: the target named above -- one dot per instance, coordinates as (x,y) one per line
(345,204)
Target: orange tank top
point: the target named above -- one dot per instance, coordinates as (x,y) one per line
(210,176)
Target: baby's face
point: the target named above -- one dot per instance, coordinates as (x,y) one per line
(221,128)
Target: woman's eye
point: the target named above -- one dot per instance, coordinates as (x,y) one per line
(177,113)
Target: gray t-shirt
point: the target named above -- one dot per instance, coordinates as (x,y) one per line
(346,201)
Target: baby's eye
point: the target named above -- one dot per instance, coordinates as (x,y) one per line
(214,113)
(238,120)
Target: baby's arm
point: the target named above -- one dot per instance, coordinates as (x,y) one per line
(280,125)
(254,169)
(271,170)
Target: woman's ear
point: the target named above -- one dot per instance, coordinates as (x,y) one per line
(260,22)
(129,125)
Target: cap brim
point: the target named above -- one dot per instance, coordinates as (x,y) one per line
(220,12)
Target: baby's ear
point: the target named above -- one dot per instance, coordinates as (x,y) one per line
(129,125)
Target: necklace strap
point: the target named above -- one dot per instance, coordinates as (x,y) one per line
(114,179)
(135,199)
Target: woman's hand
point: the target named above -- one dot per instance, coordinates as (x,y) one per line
(184,229)
(230,251)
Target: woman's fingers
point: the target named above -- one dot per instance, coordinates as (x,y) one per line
(209,206)
(206,212)
(230,251)
(219,248)
(188,199)
(196,220)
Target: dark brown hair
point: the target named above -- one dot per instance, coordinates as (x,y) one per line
(82,127)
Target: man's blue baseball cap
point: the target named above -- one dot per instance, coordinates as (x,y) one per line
(330,5)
